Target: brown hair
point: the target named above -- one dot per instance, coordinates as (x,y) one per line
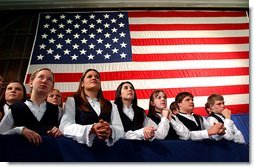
(82,101)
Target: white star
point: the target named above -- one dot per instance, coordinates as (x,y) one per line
(53,30)
(84,30)
(113,20)
(74,57)
(61,25)
(52,40)
(68,31)
(44,36)
(76,35)
(84,21)
(42,46)
(50,51)
(82,52)
(59,46)
(99,51)
(106,25)
(120,15)
(107,45)
(114,29)
(40,57)
(92,16)
(69,21)
(83,40)
(66,51)
(99,21)
(75,46)
(57,57)
(123,45)
(122,34)
(107,35)
(115,50)
(91,25)
(107,56)
(68,41)
(99,40)
(76,26)
(106,16)
(121,25)
(92,35)
(60,35)
(62,16)
(91,46)
(115,40)
(77,16)
(99,30)
(46,26)
(90,57)
(47,17)
(54,21)
(123,55)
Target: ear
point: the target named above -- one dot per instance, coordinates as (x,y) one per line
(31,84)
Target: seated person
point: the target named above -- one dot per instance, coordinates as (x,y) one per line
(219,113)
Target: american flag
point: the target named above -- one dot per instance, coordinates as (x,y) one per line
(202,52)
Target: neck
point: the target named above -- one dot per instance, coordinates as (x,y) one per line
(127,103)
(38,99)
(91,94)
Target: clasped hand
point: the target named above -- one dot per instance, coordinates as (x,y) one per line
(102,130)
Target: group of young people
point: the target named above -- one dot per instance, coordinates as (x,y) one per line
(89,117)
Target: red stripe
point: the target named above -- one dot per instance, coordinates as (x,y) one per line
(120,75)
(189,56)
(196,91)
(189,41)
(235,109)
(182,13)
(188,27)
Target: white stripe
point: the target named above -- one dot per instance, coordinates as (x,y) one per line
(144,66)
(200,101)
(163,83)
(160,49)
(187,20)
(188,34)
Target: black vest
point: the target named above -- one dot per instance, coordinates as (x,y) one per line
(189,123)
(128,124)
(90,117)
(23,116)
(171,132)
(216,117)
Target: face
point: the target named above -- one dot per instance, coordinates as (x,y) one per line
(43,82)
(13,93)
(127,92)
(92,81)
(55,97)
(159,102)
(218,107)
(187,105)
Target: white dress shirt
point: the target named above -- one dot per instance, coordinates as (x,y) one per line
(199,134)
(160,133)
(232,133)
(81,133)
(7,123)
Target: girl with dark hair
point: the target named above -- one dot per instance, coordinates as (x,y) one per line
(157,106)
(88,115)
(136,124)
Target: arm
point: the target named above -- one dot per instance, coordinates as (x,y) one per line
(181,130)
(116,126)
(80,133)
